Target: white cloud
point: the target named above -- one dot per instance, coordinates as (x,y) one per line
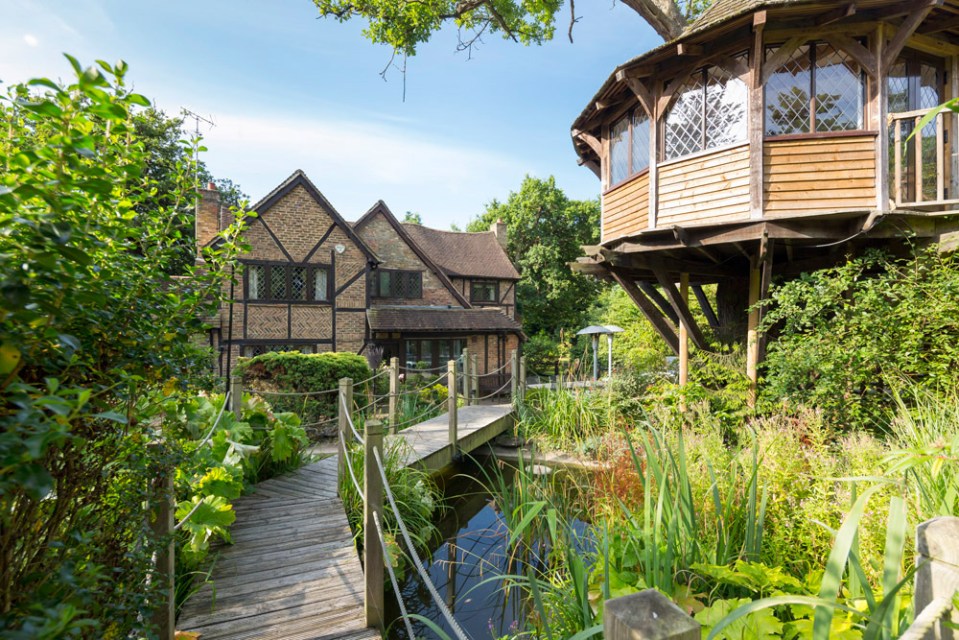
(31,40)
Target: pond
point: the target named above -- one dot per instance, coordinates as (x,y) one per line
(466,562)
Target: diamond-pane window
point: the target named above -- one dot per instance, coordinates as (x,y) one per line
(278,283)
(726,98)
(398,284)
(619,151)
(256,281)
(298,288)
(787,96)
(321,286)
(839,91)
(640,141)
(684,122)
(897,87)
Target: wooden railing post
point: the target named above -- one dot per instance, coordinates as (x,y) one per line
(394,393)
(161,525)
(522,379)
(373,504)
(514,375)
(466,377)
(647,615)
(236,396)
(344,400)
(474,372)
(451,404)
(937,576)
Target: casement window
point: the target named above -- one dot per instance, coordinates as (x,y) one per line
(484,292)
(433,354)
(819,89)
(709,112)
(392,283)
(251,350)
(628,146)
(287,283)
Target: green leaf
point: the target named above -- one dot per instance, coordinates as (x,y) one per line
(9,358)
(520,529)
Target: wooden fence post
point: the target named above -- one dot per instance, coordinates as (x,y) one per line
(514,375)
(466,377)
(451,404)
(236,396)
(373,503)
(161,525)
(522,379)
(474,372)
(394,393)
(647,615)
(937,577)
(344,400)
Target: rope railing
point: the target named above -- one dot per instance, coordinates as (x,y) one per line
(376,376)
(457,631)
(389,568)
(493,372)
(349,466)
(497,392)
(415,419)
(261,392)
(349,421)
(312,425)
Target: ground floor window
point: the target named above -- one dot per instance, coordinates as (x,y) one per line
(250,350)
(431,354)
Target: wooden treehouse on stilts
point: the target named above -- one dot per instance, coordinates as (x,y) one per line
(771,138)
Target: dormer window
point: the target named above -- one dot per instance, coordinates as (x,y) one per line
(820,89)
(628,146)
(710,112)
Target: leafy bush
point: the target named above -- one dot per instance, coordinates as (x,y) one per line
(94,337)
(839,332)
(277,373)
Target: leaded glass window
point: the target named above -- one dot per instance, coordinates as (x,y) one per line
(298,290)
(278,283)
(287,283)
(619,151)
(321,287)
(389,283)
(640,141)
(710,112)
(819,89)
(256,282)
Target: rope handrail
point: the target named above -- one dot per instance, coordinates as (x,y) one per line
(373,377)
(359,409)
(495,393)
(387,490)
(318,424)
(493,372)
(416,418)
(349,421)
(349,465)
(389,567)
(442,367)
(216,421)
(290,393)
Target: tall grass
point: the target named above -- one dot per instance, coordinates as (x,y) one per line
(568,419)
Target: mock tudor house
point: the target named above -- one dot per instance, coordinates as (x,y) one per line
(313,282)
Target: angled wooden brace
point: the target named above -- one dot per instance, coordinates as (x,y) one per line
(655,317)
(706,307)
(681,308)
(653,294)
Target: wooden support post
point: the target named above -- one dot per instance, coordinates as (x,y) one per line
(756,122)
(937,576)
(514,375)
(344,400)
(474,371)
(707,308)
(451,406)
(649,310)
(161,525)
(522,379)
(236,396)
(752,334)
(647,615)
(394,393)
(682,309)
(373,503)
(467,399)
(683,338)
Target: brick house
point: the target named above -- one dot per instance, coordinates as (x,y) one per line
(313,282)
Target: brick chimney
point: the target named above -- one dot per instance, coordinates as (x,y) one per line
(207,216)
(499,230)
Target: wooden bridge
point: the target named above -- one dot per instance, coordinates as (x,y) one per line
(292,572)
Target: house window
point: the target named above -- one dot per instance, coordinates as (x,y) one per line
(390,283)
(819,89)
(484,292)
(251,350)
(709,112)
(433,354)
(628,146)
(287,283)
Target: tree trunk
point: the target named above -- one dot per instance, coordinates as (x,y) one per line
(732,299)
(662,15)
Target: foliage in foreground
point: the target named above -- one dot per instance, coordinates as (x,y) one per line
(95,337)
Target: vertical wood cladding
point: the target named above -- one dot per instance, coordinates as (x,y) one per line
(827,174)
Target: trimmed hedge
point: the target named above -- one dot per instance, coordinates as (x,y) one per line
(271,374)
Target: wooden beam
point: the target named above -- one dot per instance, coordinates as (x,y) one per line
(781,57)
(685,49)
(642,93)
(752,335)
(852,29)
(756,123)
(836,14)
(653,294)
(705,305)
(594,143)
(859,53)
(759,18)
(683,338)
(681,308)
(649,310)
(938,26)
(906,30)
(765,280)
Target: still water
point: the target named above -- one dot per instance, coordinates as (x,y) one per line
(466,565)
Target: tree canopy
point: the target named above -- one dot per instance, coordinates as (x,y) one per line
(545,231)
(406,24)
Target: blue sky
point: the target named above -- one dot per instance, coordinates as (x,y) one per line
(287,90)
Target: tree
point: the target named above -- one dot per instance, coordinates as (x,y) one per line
(545,232)
(404,25)
(413,217)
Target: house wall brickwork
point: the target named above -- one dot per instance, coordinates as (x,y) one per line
(507,293)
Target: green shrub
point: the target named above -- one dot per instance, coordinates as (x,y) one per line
(277,373)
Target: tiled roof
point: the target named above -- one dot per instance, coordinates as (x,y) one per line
(440,319)
(477,255)
(723,10)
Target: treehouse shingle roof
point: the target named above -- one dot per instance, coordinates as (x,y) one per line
(476,255)
(433,319)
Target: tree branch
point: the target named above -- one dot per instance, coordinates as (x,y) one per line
(662,15)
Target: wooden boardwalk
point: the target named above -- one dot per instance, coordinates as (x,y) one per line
(292,572)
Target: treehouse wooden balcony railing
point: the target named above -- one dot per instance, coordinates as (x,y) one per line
(923,171)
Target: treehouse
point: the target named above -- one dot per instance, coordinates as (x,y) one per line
(771,138)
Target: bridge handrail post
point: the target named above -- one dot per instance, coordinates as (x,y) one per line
(344,400)
(236,396)
(394,393)
(161,524)
(522,379)
(373,504)
(474,373)
(451,404)
(466,378)
(514,376)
